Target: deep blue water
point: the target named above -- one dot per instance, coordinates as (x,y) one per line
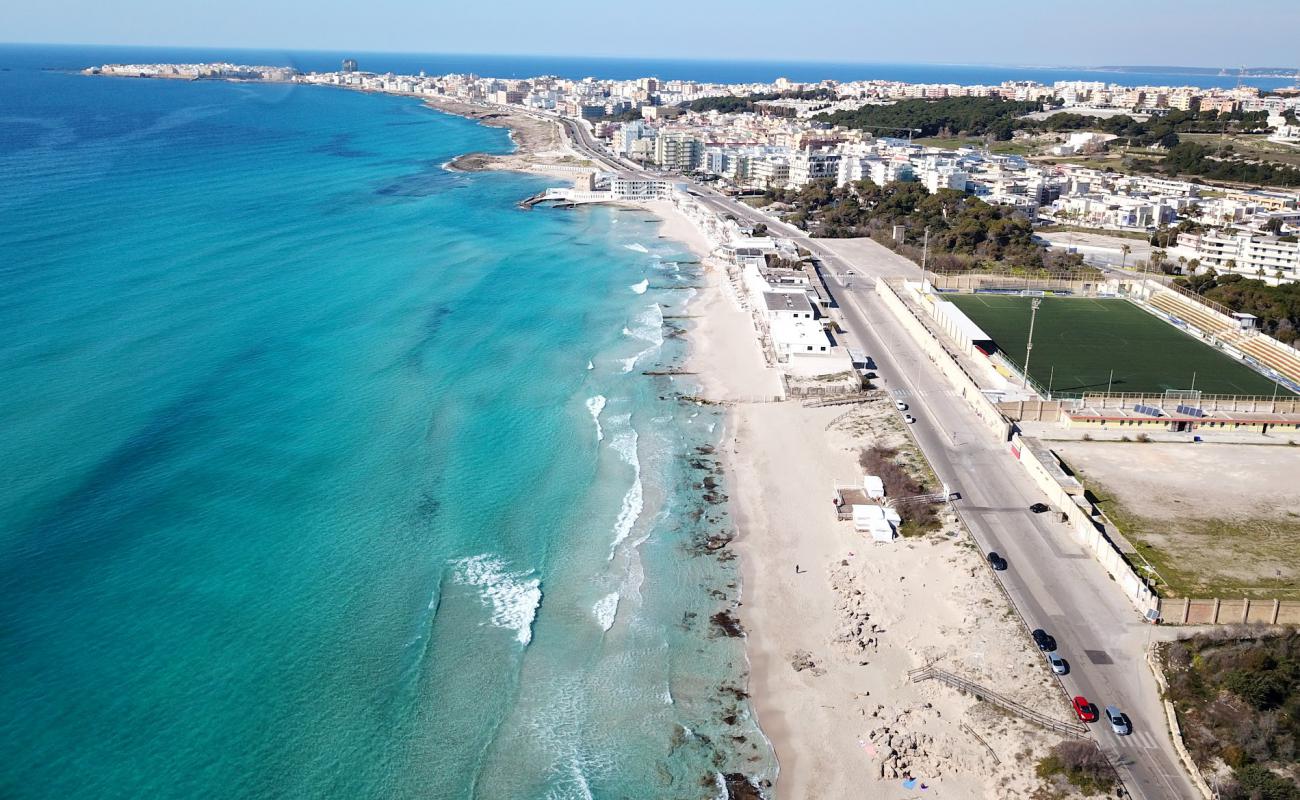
(524,66)
(304,491)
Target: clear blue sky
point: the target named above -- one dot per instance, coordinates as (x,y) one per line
(1045,32)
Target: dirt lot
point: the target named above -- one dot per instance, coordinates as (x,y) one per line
(1215,520)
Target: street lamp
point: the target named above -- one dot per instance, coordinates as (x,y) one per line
(1029,345)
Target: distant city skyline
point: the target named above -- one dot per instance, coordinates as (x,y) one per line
(1256,33)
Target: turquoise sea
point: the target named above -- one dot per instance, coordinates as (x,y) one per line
(332,473)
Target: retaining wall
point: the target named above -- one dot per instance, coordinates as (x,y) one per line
(947,364)
(1236,611)
(1086,530)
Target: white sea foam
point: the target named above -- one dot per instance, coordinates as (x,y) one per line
(640,288)
(648,327)
(639,248)
(512,596)
(625,444)
(667,696)
(606,610)
(590,365)
(596,405)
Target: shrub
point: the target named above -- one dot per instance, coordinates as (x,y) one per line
(1081,763)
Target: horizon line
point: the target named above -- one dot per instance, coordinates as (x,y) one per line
(625,58)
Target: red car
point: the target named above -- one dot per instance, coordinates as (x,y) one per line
(1086,711)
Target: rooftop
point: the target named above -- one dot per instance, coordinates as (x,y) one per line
(788,301)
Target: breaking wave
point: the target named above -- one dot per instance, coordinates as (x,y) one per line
(596,405)
(512,596)
(640,288)
(606,610)
(639,248)
(625,445)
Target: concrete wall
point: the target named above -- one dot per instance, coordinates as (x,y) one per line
(1084,528)
(961,381)
(1032,410)
(1237,611)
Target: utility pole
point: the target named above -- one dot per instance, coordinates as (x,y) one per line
(925,251)
(1029,345)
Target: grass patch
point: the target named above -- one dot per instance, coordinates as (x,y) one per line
(1079,341)
(1204,550)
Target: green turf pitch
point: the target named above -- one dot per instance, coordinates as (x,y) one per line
(1084,339)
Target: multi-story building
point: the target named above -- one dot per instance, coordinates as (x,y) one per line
(681,152)
(811,165)
(1268,258)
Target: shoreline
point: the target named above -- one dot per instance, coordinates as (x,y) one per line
(832,621)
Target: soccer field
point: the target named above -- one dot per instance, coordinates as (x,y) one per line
(1079,341)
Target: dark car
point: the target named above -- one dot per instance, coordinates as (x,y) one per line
(1044,640)
(996,561)
(1039,508)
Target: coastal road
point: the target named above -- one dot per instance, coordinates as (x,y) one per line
(1053,582)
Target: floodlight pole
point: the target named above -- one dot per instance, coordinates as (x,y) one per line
(1110,382)
(1050,380)
(1029,345)
(925,250)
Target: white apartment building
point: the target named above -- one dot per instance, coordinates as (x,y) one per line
(641,188)
(809,165)
(1265,258)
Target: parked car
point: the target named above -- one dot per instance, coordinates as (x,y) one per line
(900,405)
(1039,508)
(996,561)
(1059,665)
(909,419)
(1119,721)
(1044,640)
(1085,711)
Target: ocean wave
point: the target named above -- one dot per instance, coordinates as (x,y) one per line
(596,405)
(590,364)
(640,288)
(606,610)
(648,327)
(638,248)
(625,444)
(513,596)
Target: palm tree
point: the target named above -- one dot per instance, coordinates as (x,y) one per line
(1125,250)
(1182,262)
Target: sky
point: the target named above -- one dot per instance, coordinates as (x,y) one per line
(1258,33)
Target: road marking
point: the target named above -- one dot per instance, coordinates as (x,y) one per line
(1138,740)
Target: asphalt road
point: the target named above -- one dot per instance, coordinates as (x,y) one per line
(1053,582)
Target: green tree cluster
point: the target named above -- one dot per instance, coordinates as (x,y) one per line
(1278,307)
(964,231)
(975,116)
(1221,163)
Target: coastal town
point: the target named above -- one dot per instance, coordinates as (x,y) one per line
(783,136)
(976,540)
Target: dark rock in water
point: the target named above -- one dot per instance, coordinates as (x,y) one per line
(730,719)
(727,623)
(740,787)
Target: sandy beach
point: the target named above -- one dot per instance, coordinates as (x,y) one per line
(830,644)
(833,621)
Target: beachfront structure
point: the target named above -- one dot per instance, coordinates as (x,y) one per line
(625,188)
